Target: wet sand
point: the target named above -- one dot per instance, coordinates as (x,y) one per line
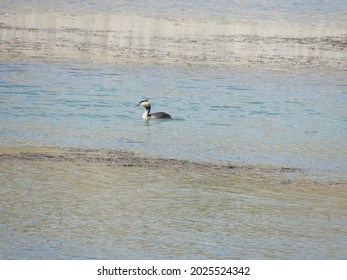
(114,157)
(78,156)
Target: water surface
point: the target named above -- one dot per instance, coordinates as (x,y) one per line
(276,33)
(57,209)
(278,117)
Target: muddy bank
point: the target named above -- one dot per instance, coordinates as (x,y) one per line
(102,157)
(122,158)
(132,38)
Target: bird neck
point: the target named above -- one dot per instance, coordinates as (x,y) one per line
(146,113)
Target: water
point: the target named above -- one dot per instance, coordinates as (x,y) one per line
(217,9)
(256,86)
(217,32)
(266,116)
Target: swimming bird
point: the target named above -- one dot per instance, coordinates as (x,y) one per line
(147,115)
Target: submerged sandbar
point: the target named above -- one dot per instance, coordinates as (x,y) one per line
(116,158)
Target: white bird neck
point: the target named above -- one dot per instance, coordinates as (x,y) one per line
(146,113)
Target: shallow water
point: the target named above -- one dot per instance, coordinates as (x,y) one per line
(64,210)
(216,9)
(276,33)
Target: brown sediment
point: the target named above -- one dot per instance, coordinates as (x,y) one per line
(72,158)
(125,158)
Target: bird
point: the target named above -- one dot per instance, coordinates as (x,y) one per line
(147,115)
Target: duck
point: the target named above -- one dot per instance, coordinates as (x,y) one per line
(147,114)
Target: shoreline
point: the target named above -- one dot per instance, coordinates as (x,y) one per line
(124,158)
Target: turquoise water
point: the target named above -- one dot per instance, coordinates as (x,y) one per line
(293,118)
